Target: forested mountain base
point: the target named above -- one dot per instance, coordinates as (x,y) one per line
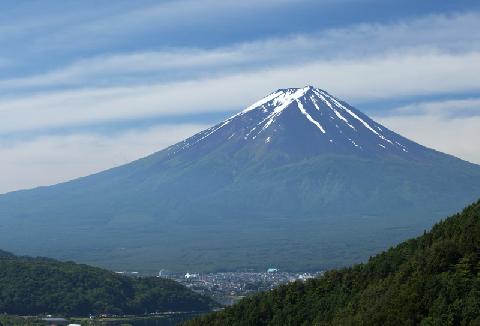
(431,280)
(31,286)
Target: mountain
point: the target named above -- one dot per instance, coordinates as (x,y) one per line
(298,180)
(32,286)
(431,280)
(6,254)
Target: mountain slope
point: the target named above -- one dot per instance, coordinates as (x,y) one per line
(31,286)
(431,280)
(297,174)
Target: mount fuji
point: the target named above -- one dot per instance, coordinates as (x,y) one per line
(299,180)
(301,123)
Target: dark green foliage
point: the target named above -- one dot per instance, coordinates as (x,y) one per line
(6,320)
(39,285)
(431,280)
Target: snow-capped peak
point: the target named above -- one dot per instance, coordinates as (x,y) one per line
(306,112)
(281,96)
(310,96)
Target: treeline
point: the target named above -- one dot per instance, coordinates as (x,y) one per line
(8,320)
(31,286)
(431,280)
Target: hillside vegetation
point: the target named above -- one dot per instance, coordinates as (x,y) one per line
(30,286)
(431,280)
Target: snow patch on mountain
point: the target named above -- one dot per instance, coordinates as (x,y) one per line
(330,118)
(309,117)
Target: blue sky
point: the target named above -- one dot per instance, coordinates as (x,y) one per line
(86,85)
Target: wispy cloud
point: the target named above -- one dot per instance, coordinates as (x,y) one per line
(132,68)
(354,80)
(445,108)
(437,33)
(75,26)
(357,63)
(55,158)
(457,136)
(451,126)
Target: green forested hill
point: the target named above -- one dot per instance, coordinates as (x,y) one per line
(431,280)
(30,286)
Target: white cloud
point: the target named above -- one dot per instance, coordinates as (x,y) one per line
(164,16)
(430,34)
(116,17)
(352,80)
(51,159)
(446,108)
(458,136)
(450,126)
(108,69)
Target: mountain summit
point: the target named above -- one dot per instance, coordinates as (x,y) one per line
(304,121)
(298,180)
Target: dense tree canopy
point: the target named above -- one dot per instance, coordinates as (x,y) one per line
(431,280)
(39,285)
